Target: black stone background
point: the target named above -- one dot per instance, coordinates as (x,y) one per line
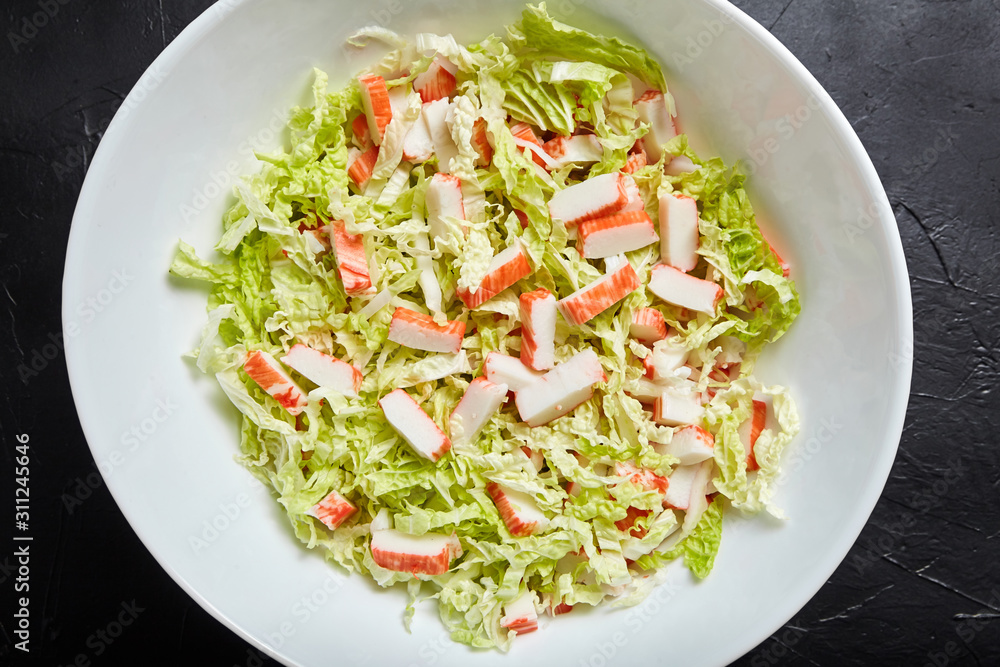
(919,81)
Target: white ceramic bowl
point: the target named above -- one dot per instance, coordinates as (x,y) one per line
(165,436)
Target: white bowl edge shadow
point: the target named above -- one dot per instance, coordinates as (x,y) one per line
(133,473)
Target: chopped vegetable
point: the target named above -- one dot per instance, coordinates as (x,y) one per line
(461,223)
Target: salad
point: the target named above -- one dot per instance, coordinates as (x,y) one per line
(491,324)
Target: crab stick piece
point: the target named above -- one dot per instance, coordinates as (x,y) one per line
(681,484)
(615,234)
(265,370)
(430,553)
(688,485)
(418,146)
(750,430)
(644,390)
(689,445)
(680,289)
(352,264)
(652,109)
(593,198)
(324,370)
(444,199)
(361,164)
(561,389)
(520,615)
(481,142)
(375,100)
(648,326)
(634,202)
(675,407)
(668,355)
(506,268)
(362,135)
(414,425)
(786,269)
(627,525)
(428,281)
(643,477)
(681,164)
(538,329)
(523,131)
(518,510)
(438,82)
(635,162)
(598,296)
(333,510)
(698,502)
(502,369)
(420,332)
(679,231)
(525,137)
(579,149)
(435,115)
(479,403)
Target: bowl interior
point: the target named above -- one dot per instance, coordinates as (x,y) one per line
(164,171)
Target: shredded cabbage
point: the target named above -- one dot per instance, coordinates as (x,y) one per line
(606,529)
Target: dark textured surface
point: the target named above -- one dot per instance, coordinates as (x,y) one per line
(919,81)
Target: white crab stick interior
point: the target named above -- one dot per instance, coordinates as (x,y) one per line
(435,115)
(479,403)
(652,110)
(648,326)
(578,149)
(677,407)
(429,284)
(414,425)
(681,481)
(444,199)
(681,164)
(561,389)
(324,370)
(635,202)
(594,197)
(682,290)
(668,355)
(421,332)
(538,329)
(502,369)
(520,614)
(418,145)
(614,234)
(518,510)
(699,487)
(679,231)
(690,445)
(430,553)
